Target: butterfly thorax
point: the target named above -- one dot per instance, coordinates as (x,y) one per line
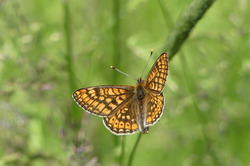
(140,89)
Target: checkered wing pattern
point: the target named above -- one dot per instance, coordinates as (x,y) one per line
(158,74)
(123,122)
(155,108)
(103,100)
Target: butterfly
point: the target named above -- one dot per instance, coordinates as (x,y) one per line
(128,109)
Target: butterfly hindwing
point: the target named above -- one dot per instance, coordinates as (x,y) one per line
(123,122)
(155,108)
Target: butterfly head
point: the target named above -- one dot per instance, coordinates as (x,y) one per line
(140,80)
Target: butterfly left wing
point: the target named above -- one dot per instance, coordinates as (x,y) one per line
(103,100)
(158,74)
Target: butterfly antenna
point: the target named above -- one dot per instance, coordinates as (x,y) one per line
(112,67)
(151,53)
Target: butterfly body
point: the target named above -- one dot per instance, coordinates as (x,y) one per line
(140,99)
(128,109)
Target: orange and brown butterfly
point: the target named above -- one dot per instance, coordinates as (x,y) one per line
(128,109)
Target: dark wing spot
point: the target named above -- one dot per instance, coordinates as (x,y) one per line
(97,91)
(114,102)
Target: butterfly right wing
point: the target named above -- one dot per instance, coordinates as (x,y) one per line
(155,108)
(103,100)
(158,74)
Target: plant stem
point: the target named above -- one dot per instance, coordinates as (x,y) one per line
(131,157)
(122,150)
(185,23)
(74,116)
(68,45)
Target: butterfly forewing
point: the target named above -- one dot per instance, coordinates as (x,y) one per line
(103,100)
(158,74)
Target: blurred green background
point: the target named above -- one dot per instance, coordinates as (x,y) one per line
(206,120)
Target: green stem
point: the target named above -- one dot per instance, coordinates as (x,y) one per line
(74,116)
(68,45)
(131,157)
(185,23)
(122,150)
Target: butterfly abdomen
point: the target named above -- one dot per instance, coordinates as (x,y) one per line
(141,111)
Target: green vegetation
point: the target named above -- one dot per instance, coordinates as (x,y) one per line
(48,49)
